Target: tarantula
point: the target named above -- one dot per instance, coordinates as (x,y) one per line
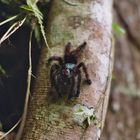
(66,76)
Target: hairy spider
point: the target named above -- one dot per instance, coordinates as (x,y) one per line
(66,76)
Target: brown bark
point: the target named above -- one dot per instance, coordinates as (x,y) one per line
(123,118)
(83,20)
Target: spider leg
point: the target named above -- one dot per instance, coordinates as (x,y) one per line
(53,71)
(55,58)
(57,82)
(72,88)
(85,71)
(57,88)
(78,83)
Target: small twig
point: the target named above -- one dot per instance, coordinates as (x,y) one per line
(8,20)
(19,134)
(70,3)
(108,81)
(33,76)
(3,136)
(100,101)
(46,43)
(12,29)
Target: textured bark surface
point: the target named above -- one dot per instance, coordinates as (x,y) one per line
(50,118)
(123,118)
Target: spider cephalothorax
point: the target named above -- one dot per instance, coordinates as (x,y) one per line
(66,76)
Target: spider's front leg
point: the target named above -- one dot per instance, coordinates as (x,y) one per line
(55,58)
(58,89)
(55,78)
(88,81)
(72,88)
(53,71)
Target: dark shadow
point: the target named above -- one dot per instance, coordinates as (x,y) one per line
(14,60)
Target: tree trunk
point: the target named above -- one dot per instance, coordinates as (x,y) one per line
(50,118)
(123,118)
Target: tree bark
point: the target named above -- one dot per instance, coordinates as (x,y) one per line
(76,21)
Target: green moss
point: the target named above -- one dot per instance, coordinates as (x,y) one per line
(53,116)
(58,32)
(59,36)
(61,125)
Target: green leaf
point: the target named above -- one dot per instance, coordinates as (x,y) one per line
(39,16)
(2,71)
(113,77)
(6,1)
(93,117)
(88,120)
(118,29)
(79,110)
(37,33)
(26,7)
(8,20)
